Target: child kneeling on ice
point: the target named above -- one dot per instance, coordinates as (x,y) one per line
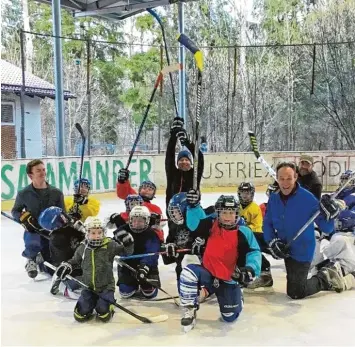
(231,259)
(95,255)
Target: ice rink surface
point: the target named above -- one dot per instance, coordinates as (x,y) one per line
(31,316)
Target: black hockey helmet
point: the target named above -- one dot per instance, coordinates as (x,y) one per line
(246,191)
(227,203)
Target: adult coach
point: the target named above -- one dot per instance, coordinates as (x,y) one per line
(29,204)
(288,210)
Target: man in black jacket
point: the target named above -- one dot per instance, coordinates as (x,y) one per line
(307,178)
(179,178)
(29,204)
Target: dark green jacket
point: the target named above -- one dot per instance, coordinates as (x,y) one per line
(97,263)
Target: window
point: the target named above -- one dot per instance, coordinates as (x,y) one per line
(7,113)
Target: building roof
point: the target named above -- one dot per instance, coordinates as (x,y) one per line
(11,81)
(111,9)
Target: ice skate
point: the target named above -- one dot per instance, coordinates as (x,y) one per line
(31,268)
(188,320)
(334,277)
(264,282)
(55,284)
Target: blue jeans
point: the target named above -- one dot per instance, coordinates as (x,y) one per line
(35,244)
(228,293)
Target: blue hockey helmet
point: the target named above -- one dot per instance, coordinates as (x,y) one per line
(133,200)
(147,184)
(344,177)
(82,182)
(52,218)
(345,221)
(177,208)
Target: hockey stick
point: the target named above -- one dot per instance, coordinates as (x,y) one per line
(165,70)
(254,145)
(122,263)
(137,256)
(155,319)
(83,141)
(156,16)
(39,231)
(333,196)
(190,45)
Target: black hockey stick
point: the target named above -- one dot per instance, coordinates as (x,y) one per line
(190,45)
(165,70)
(156,16)
(83,142)
(155,319)
(333,196)
(40,232)
(122,263)
(254,145)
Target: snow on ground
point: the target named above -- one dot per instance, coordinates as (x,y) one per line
(31,316)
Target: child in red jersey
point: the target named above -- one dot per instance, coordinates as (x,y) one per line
(231,258)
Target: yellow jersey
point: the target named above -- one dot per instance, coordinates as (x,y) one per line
(92,207)
(253,217)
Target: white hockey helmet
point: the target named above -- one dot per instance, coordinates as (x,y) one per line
(139,219)
(94,223)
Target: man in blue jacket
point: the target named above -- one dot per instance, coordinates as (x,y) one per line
(288,210)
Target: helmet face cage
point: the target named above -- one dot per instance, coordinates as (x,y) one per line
(227,204)
(83,182)
(345,223)
(224,224)
(148,184)
(176,214)
(139,219)
(246,192)
(132,201)
(92,223)
(345,177)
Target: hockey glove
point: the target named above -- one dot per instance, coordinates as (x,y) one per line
(76,215)
(193,197)
(123,175)
(124,238)
(170,249)
(278,249)
(155,220)
(80,199)
(63,270)
(329,207)
(182,137)
(177,125)
(78,225)
(243,275)
(198,246)
(142,273)
(29,222)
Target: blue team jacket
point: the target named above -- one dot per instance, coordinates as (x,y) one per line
(284,220)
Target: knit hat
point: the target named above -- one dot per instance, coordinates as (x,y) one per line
(185,153)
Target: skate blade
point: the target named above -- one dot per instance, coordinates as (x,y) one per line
(187,328)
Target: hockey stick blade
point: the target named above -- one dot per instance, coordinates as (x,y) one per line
(254,145)
(154,319)
(333,196)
